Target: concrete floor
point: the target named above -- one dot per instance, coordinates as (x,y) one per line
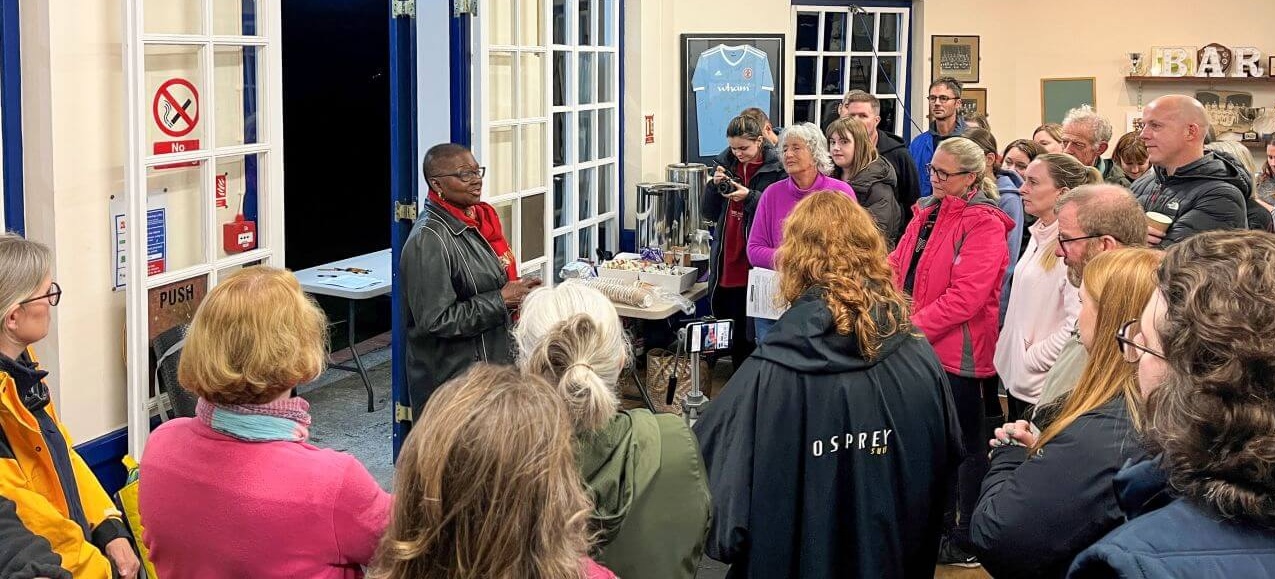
(338,406)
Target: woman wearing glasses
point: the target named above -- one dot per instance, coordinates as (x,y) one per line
(951,260)
(1074,460)
(460,277)
(57,495)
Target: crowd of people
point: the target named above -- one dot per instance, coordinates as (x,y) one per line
(1034,359)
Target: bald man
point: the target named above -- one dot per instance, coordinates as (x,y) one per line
(1197,191)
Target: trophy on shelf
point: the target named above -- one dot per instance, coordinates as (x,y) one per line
(1135,63)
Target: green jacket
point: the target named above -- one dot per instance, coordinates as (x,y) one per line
(650,492)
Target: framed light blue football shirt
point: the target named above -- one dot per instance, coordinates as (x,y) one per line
(727,80)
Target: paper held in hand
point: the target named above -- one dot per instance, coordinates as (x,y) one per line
(763,294)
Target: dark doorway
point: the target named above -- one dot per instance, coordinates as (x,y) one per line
(336,131)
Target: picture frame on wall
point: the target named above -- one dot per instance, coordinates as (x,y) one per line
(1059,95)
(954,56)
(723,74)
(974,100)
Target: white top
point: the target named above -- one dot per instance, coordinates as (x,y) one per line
(321,279)
(1043,308)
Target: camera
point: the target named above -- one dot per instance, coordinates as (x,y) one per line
(727,185)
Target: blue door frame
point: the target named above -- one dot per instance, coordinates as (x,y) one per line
(403,190)
(11,116)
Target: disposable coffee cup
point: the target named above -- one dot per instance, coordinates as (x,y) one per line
(1159,221)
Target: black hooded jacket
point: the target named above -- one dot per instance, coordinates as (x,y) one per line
(824,464)
(908,189)
(713,206)
(1204,195)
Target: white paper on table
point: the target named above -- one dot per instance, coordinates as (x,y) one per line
(352,282)
(763,294)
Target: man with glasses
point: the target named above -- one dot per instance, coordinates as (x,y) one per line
(1092,219)
(1086,135)
(945,105)
(459,275)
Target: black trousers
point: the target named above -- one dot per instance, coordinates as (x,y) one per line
(974,399)
(732,303)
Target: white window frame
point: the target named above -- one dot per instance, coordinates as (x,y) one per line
(483,126)
(269,148)
(881,92)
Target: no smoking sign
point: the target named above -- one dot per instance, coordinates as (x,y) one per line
(175,110)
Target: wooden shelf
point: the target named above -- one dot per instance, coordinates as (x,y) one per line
(1199,79)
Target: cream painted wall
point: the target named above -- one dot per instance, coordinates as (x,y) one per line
(1084,38)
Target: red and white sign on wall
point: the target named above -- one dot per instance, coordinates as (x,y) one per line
(220,191)
(175,110)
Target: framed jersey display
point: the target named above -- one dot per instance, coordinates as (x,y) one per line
(723,74)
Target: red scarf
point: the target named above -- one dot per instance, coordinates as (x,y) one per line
(487,222)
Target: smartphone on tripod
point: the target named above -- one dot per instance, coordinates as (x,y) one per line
(709,337)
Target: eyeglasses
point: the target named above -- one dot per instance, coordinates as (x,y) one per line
(54,296)
(1063,241)
(943,175)
(941,99)
(1133,343)
(466,176)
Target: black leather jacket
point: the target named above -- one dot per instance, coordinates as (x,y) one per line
(455,314)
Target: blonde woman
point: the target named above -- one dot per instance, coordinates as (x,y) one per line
(237,489)
(1074,461)
(56,494)
(855,161)
(487,487)
(831,451)
(1049,136)
(643,470)
(1043,306)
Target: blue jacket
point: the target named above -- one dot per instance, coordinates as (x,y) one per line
(1007,184)
(1179,539)
(922,150)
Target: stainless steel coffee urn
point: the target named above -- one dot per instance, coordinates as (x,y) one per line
(695,176)
(663,210)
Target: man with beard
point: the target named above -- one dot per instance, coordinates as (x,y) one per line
(1091,220)
(945,105)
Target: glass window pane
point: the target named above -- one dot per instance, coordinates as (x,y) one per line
(585,249)
(861,38)
(561,248)
(890,25)
(805,76)
(607,192)
(561,73)
(238,93)
(887,74)
(586,77)
(505,211)
(533,227)
(500,104)
(807,31)
(604,234)
(586,136)
(834,74)
(174,98)
(173,17)
(803,111)
(500,13)
(531,91)
(606,76)
(533,157)
(888,108)
(828,113)
(585,19)
(238,187)
(834,32)
(532,18)
(175,234)
(230,270)
(234,17)
(606,23)
(860,71)
(562,194)
(606,133)
(561,139)
(586,194)
(500,162)
(559,21)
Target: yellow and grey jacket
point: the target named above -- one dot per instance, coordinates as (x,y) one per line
(56,494)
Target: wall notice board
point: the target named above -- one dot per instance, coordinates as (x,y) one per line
(1059,95)
(723,74)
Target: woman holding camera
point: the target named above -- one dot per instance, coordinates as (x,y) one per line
(746,168)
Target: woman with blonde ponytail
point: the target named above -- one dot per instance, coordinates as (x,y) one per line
(1043,306)
(643,470)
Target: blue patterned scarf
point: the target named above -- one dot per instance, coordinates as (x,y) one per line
(285,419)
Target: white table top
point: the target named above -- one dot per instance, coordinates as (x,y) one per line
(377,263)
(661,310)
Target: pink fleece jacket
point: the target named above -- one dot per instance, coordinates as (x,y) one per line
(215,506)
